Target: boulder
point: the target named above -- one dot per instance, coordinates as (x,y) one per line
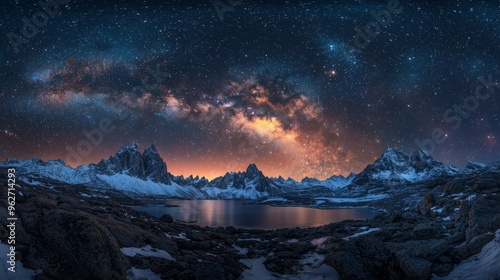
(477,243)
(425,205)
(88,247)
(424,232)
(166,218)
(413,268)
(487,185)
(348,266)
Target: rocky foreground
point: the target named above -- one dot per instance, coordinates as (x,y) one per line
(73,232)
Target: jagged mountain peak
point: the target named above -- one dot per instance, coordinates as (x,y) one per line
(151,149)
(252,170)
(132,148)
(393,155)
(128,160)
(421,160)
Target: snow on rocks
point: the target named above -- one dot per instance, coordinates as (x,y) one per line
(146,251)
(360,233)
(140,274)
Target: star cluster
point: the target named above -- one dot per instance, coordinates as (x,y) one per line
(286,85)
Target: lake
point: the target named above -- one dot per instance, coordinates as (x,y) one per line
(236,213)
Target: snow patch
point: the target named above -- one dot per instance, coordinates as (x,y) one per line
(360,233)
(135,185)
(141,274)
(146,251)
(20,271)
(242,251)
(483,266)
(181,235)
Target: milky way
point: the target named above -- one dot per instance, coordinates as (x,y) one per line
(301,88)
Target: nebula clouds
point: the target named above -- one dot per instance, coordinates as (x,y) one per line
(273,121)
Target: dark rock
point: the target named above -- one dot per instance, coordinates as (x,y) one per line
(186,275)
(87,246)
(210,271)
(301,247)
(442,269)
(425,205)
(454,186)
(487,185)
(477,243)
(413,268)
(460,252)
(287,254)
(424,249)
(348,266)
(166,218)
(424,232)
(281,265)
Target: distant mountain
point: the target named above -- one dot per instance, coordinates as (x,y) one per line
(136,173)
(251,184)
(335,182)
(396,167)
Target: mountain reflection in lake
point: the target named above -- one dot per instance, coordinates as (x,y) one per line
(236,213)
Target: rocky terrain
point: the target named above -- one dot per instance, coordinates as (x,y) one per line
(75,232)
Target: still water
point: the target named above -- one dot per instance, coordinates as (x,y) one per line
(236,213)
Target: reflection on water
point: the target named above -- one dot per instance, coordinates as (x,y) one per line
(235,213)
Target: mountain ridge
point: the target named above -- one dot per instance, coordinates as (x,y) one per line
(146,173)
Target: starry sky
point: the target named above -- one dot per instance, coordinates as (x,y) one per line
(301,88)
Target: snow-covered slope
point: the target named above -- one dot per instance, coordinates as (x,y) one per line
(133,185)
(35,169)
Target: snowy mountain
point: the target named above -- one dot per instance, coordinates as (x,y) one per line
(395,167)
(251,184)
(335,182)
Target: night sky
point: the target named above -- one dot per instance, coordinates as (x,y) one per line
(311,88)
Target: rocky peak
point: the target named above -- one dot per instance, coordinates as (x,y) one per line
(148,165)
(397,166)
(421,161)
(391,160)
(253,171)
(133,147)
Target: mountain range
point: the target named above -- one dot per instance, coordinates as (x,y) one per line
(146,174)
